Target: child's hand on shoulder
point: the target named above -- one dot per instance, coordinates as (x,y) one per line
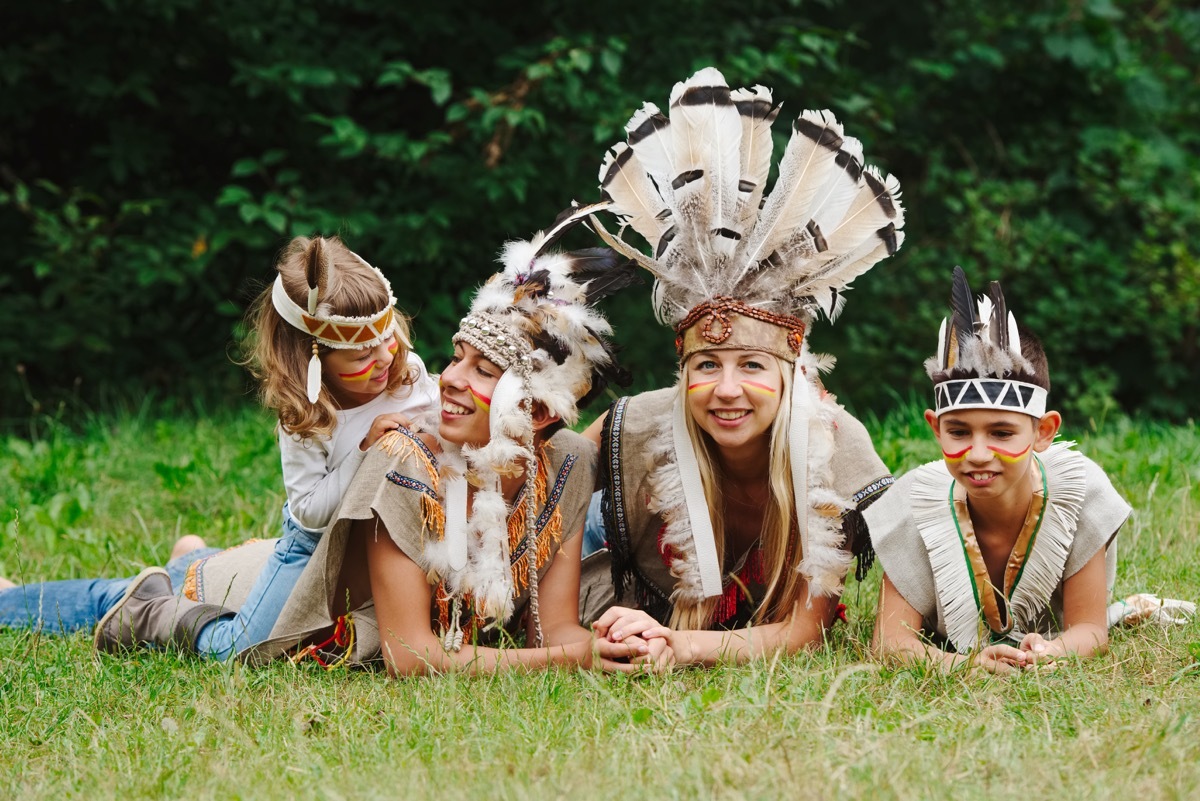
(383,424)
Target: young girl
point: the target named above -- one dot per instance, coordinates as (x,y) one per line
(333,359)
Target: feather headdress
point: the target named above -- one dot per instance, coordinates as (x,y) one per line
(535,320)
(692,184)
(979,363)
(736,267)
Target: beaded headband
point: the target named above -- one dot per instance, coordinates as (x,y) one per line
(494,338)
(731,324)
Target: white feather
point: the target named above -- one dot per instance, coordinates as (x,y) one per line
(810,154)
(649,133)
(623,178)
(756,146)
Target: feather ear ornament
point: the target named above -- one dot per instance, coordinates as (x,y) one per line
(316,274)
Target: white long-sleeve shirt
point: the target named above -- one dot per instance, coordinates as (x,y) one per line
(317,470)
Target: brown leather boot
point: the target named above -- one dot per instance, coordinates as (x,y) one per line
(151,613)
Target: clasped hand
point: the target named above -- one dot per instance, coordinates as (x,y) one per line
(630,641)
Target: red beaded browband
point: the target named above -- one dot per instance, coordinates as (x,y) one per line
(718,329)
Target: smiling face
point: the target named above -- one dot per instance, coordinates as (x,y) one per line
(734,396)
(354,377)
(467,385)
(990,452)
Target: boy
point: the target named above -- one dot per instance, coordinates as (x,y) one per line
(1003,555)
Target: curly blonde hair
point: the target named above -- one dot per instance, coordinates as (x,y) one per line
(277,354)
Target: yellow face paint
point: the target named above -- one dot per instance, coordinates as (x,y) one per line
(362,375)
(761,389)
(699,386)
(482,402)
(395,347)
(955,458)
(1008,457)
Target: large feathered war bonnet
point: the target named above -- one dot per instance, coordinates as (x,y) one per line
(736,267)
(535,320)
(316,318)
(979,364)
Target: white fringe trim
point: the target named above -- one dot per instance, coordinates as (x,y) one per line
(932,512)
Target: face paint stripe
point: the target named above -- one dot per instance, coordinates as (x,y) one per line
(1009,456)
(361,375)
(700,385)
(756,387)
(956,457)
(482,401)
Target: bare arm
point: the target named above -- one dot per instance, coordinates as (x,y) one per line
(593,431)
(1085,619)
(897,639)
(804,628)
(403,598)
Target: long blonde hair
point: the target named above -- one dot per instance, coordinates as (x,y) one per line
(780,548)
(277,354)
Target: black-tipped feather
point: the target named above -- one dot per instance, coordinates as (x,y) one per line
(999,322)
(606,277)
(962,302)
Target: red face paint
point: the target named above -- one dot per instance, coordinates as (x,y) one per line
(955,458)
(362,375)
(1008,456)
(761,389)
(483,402)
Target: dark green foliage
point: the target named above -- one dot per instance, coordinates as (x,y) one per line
(155,157)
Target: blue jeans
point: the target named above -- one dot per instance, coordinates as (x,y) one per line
(595,537)
(223,638)
(61,607)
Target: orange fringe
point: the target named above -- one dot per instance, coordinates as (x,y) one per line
(433,516)
(550,538)
(342,637)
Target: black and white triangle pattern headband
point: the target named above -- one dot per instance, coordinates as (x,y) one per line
(990,393)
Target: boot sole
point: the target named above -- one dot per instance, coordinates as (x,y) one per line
(99,641)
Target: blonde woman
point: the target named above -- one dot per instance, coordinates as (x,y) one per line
(732,502)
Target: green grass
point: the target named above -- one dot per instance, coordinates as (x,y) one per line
(112,497)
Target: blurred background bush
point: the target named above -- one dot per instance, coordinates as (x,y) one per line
(155,157)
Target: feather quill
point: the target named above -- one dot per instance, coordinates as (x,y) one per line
(649,134)
(962,306)
(316,273)
(875,205)
(999,324)
(833,200)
